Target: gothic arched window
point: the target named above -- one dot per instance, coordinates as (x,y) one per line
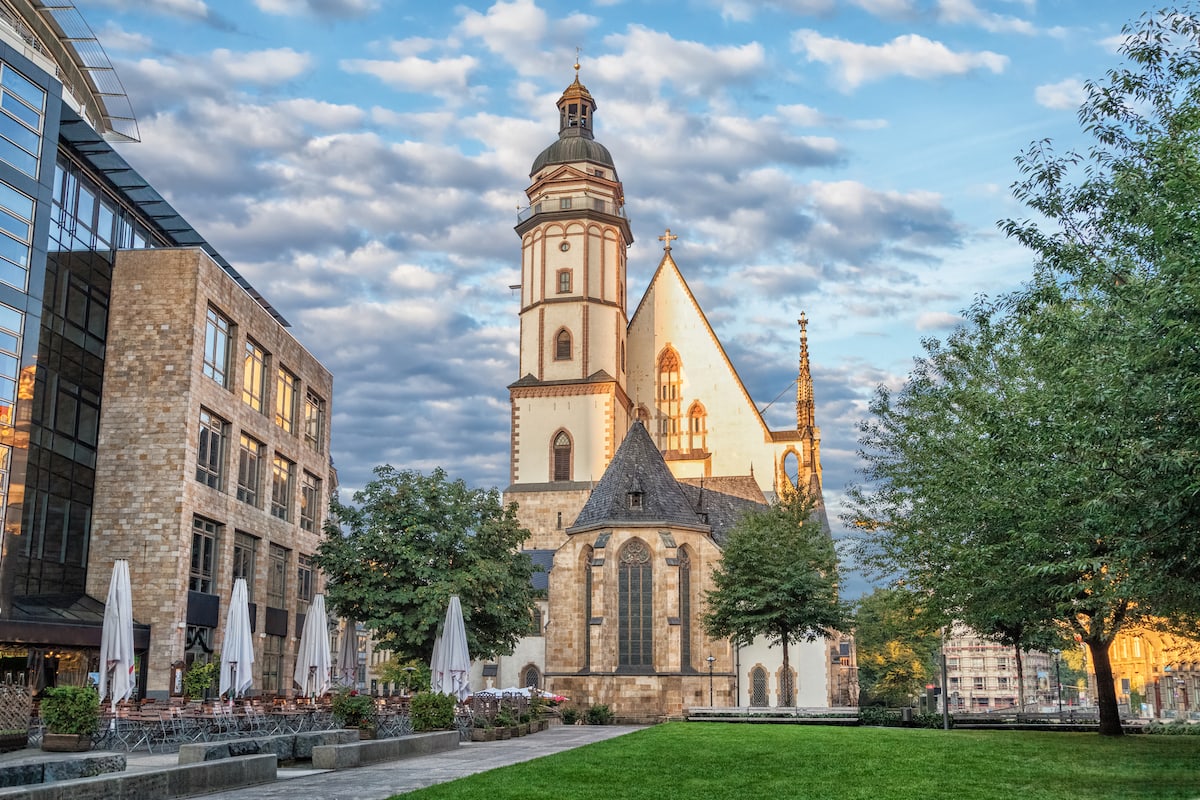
(562,345)
(562,457)
(669,397)
(697,427)
(759,695)
(531,677)
(685,610)
(587,607)
(787,687)
(635,606)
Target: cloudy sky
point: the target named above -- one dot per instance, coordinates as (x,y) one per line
(361,163)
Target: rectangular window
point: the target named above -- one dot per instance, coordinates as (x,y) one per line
(564,202)
(277,569)
(210,455)
(245,547)
(250,458)
(218,332)
(21,109)
(285,400)
(310,502)
(304,578)
(282,472)
(980,683)
(1002,664)
(254,376)
(564,281)
(205,534)
(314,422)
(272,668)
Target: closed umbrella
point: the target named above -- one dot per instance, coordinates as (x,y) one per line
(313,660)
(451,664)
(116,637)
(237,651)
(347,671)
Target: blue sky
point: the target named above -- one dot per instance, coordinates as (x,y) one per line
(361,163)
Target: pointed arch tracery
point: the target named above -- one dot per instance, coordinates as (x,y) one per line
(685,609)
(697,427)
(560,456)
(669,397)
(635,606)
(562,345)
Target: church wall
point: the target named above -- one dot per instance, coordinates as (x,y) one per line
(547,512)
(582,640)
(586,417)
(736,436)
(809,661)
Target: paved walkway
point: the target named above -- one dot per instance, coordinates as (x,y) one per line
(380,781)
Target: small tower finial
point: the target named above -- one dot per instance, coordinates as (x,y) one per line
(666,238)
(577,51)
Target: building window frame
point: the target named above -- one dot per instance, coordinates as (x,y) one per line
(314,421)
(206,538)
(561,452)
(635,607)
(245,551)
(283,475)
(250,463)
(310,502)
(218,334)
(564,281)
(287,387)
(213,433)
(277,571)
(563,345)
(305,578)
(254,376)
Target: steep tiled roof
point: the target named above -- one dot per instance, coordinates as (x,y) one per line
(721,510)
(544,559)
(638,467)
(743,486)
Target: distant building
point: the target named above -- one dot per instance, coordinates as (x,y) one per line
(127,349)
(982,675)
(1157,675)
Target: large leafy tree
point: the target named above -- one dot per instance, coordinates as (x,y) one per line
(898,641)
(1042,466)
(410,541)
(777,578)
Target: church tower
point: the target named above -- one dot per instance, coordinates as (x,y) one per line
(569,406)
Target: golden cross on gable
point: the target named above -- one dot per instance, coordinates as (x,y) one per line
(667,238)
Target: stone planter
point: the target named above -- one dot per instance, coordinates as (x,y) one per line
(66,742)
(522,729)
(366,733)
(504,733)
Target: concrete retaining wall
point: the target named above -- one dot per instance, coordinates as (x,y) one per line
(47,770)
(285,747)
(373,751)
(169,782)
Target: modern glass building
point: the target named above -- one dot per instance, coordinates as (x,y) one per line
(68,203)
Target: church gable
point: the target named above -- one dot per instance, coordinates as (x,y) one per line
(686,390)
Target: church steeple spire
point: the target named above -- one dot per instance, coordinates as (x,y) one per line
(575,109)
(806,414)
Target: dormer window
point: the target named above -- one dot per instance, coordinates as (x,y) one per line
(636,496)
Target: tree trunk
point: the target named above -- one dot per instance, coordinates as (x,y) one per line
(790,695)
(1106,690)
(1020,680)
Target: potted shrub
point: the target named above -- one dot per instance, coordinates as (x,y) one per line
(482,730)
(506,724)
(353,710)
(432,712)
(199,679)
(71,715)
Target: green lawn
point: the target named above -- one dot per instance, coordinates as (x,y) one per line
(715,761)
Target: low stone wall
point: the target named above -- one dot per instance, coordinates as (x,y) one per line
(169,782)
(374,751)
(37,770)
(285,747)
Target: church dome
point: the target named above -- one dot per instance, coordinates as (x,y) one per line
(573,148)
(575,142)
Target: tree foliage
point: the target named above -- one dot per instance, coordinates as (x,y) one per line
(898,641)
(1040,467)
(409,542)
(777,578)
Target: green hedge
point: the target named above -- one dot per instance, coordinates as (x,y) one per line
(432,712)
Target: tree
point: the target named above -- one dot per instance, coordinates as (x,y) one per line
(1042,467)
(898,642)
(394,559)
(777,578)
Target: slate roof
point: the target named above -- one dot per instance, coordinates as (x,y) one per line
(638,466)
(720,509)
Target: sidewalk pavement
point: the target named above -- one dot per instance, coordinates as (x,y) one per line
(379,781)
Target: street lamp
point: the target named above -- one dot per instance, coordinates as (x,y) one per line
(1058,679)
(710,661)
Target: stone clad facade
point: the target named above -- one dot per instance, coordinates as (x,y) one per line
(148,494)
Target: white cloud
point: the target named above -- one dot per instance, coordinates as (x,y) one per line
(263,67)
(910,55)
(440,77)
(647,60)
(965,12)
(1065,95)
(321,8)
(117,39)
(937,320)
(507,28)
(803,116)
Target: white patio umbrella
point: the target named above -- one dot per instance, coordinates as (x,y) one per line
(116,637)
(450,666)
(237,651)
(347,669)
(313,660)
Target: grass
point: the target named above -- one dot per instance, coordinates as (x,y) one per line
(717,761)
